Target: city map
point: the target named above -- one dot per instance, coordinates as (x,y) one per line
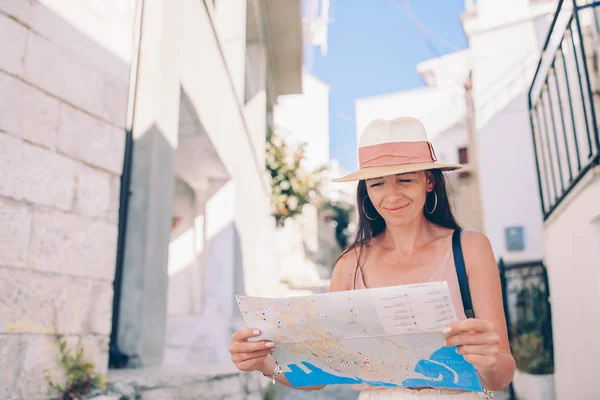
(380,337)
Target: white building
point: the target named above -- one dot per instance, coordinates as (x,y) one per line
(556,209)
(502,72)
(307,247)
(175,101)
(563,104)
(304,118)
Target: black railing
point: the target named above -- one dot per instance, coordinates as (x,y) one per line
(526,294)
(562,112)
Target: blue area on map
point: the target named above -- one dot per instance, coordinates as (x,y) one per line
(446,369)
(317,376)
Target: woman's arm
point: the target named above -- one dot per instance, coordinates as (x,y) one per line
(341,279)
(484,340)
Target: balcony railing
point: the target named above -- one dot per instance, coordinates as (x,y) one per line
(562,98)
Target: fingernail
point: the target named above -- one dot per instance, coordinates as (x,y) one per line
(269,344)
(256,332)
(446,330)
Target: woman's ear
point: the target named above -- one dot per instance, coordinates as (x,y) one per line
(430,181)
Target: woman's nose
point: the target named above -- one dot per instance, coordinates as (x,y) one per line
(394,192)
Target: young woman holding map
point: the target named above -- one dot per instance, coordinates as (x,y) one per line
(408,235)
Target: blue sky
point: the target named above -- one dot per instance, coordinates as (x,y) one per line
(374,48)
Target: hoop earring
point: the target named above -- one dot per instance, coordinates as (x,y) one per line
(434,204)
(365,212)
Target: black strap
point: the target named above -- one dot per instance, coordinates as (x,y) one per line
(461,273)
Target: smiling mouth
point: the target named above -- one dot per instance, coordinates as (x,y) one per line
(396,209)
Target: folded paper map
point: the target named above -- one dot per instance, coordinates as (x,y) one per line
(381,337)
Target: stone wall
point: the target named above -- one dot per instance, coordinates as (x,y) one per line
(189,383)
(62,113)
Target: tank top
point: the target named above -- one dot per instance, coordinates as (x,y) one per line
(445,271)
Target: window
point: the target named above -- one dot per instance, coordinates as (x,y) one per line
(463,156)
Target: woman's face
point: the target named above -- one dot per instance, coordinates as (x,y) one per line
(400,198)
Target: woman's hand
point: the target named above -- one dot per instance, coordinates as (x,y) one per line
(249,356)
(477,341)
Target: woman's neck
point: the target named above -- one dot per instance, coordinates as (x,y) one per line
(404,239)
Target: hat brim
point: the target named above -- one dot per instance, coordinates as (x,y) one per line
(378,172)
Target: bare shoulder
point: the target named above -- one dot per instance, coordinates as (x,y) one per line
(472,239)
(477,250)
(343,273)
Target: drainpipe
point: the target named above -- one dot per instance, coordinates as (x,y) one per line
(116,358)
(473,154)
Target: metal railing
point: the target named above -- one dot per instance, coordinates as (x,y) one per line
(526,294)
(562,112)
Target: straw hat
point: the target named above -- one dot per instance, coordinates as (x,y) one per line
(397,146)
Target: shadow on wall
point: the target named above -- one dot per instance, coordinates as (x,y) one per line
(144,235)
(203,338)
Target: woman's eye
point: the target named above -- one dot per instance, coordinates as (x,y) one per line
(376,184)
(406,180)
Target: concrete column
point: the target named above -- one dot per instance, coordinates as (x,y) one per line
(231,27)
(256,70)
(155,125)
(255,108)
(144,290)
(222,256)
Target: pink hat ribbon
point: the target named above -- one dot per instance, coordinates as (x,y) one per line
(394,153)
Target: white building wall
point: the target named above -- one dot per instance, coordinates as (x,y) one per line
(63,97)
(185,294)
(572,245)
(502,73)
(238,224)
(229,17)
(64,83)
(304,118)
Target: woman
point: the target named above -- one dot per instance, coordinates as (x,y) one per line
(405,229)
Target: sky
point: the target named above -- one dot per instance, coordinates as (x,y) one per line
(374,48)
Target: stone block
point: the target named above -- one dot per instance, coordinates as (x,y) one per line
(254,382)
(10,351)
(112,214)
(217,388)
(254,396)
(85,28)
(115,103)
(40,355)
(91,140)
(71,244)
(64,74)
(34,174)
(15,229)
(92,192)
(14,45)
(34,302)
(27,112)
(223,387)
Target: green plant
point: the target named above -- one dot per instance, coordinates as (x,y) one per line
(291,186)
(530,355)
(341,214)
(271,393)
(80,375)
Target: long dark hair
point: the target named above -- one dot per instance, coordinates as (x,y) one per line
(371,224)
